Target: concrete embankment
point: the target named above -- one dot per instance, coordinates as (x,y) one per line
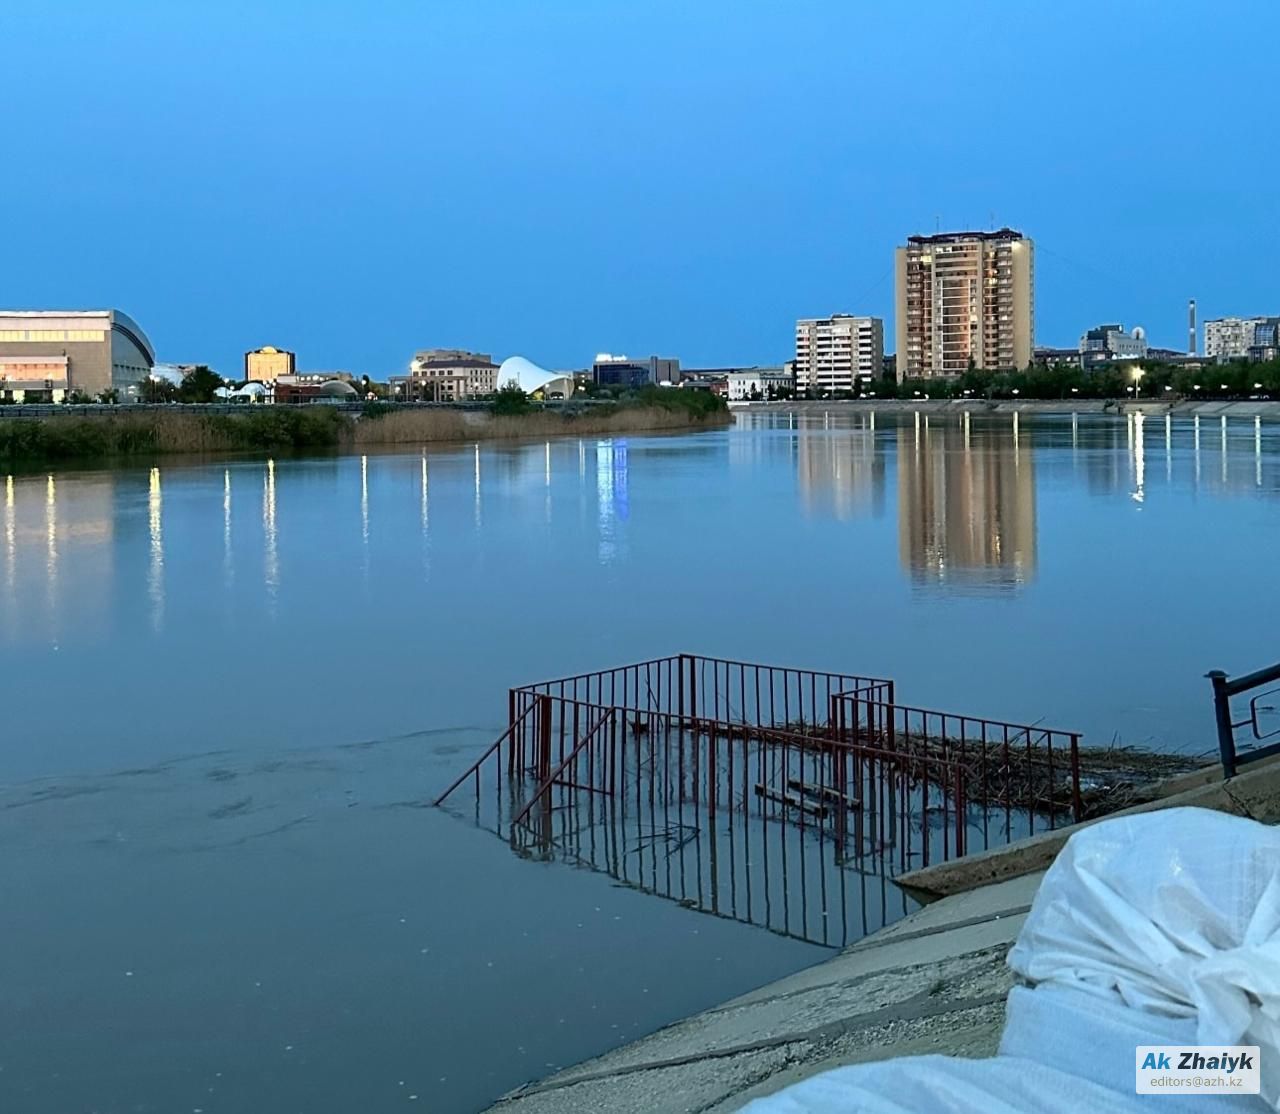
(1268,410)
(934,982)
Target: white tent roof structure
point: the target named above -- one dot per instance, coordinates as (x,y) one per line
(529,376)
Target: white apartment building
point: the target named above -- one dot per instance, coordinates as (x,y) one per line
(833,353)
(1229,338)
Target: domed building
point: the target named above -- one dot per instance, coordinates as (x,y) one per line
(338,390)
(534,380)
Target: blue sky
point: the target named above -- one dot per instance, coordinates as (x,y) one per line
(357,180)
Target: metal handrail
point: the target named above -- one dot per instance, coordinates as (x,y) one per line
(1224,688)
(474,768)
(606,715)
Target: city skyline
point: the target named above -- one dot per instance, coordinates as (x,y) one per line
(555,210)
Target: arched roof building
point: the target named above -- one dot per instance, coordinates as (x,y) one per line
(531,378)
(53,352)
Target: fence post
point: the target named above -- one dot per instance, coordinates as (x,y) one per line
(544,737)
(1222,713)
(1077,806)
(713,773)
(839,775)
(960,812)
(511,737)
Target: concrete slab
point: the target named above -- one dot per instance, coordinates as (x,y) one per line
(695,1086)
(1007,897)
(934,982)
(973,1032)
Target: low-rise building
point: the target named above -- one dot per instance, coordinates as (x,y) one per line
(47,355)
(1266,340)
(266,365)
(1053,357)
(758,384)
(624,371)
(1105,343)
(446,375)
(713,380)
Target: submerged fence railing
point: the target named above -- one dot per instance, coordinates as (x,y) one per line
(784,797)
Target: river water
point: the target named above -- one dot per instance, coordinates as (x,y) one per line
(231,685)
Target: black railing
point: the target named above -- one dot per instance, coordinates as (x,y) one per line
(1224,688)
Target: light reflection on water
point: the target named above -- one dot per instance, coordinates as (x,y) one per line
(884,544)
(790,517)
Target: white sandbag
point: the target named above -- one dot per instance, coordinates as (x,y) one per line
(1174,913)
(1159,929)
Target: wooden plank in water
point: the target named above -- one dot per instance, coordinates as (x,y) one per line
(825,792)
(790,800)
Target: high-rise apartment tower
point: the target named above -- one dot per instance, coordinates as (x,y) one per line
(964,299)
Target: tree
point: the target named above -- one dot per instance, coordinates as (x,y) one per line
(110,396)
(156,390)
(199,385)
(510,400)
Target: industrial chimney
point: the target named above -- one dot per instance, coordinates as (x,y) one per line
(1191,327)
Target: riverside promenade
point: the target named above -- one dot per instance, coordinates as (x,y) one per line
(934,982)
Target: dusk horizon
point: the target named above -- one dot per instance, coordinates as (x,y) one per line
(355,186)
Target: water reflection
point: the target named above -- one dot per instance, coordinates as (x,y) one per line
(425,517)
(1139,458)
(228,565)
(966,503)
(51,551)
(840,470)
(10,536)
(364,518)
(155,530)
(612,506)
(270,550)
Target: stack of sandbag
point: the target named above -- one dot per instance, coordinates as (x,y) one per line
(1161,929)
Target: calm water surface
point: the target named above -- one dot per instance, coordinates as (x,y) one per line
(231,685)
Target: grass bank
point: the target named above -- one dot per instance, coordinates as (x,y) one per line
(156,431)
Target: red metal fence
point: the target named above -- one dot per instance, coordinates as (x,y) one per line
(784,797)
